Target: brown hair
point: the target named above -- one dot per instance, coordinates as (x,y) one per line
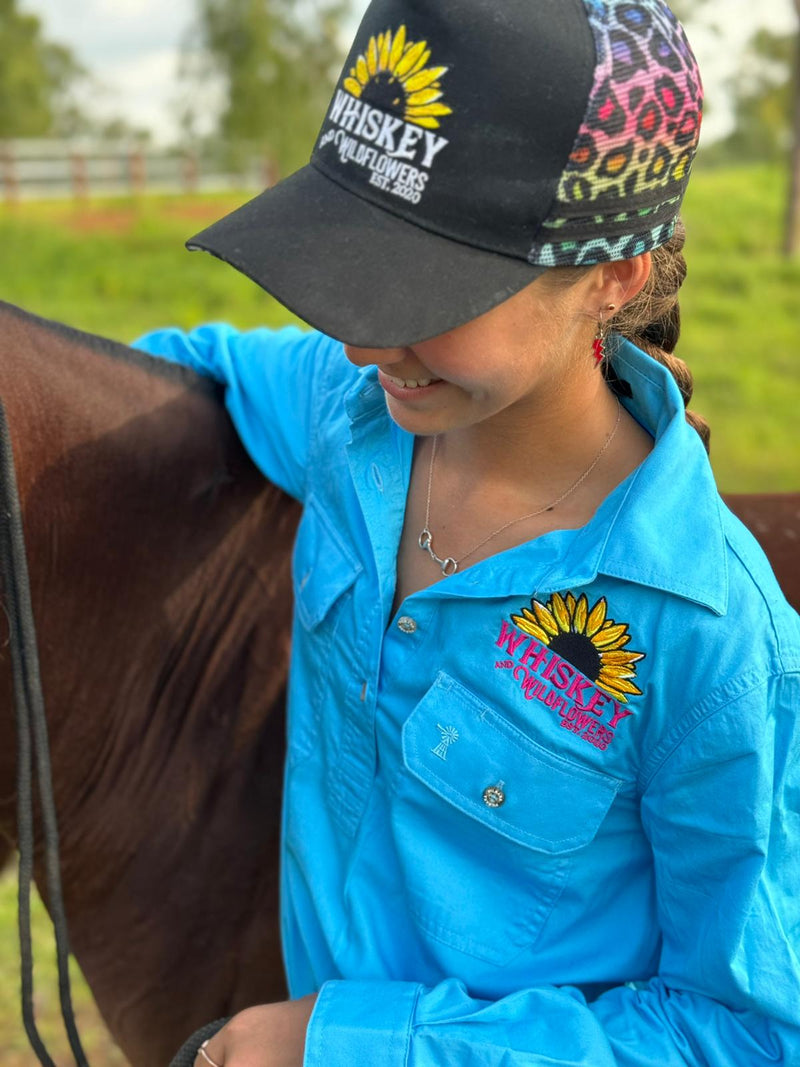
(652,321)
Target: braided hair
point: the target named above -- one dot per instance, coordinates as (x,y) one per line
(652,321)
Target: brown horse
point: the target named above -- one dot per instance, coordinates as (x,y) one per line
(774,520)
(159,563)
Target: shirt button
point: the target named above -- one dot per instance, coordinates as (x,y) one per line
(493,796)
(406,624)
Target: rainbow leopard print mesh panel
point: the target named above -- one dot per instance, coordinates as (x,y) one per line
(636,144)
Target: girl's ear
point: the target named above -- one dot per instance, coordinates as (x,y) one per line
(619,282)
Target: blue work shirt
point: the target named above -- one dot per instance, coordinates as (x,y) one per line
(547,812)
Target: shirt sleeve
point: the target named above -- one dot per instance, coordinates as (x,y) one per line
(721,808)
(271,380)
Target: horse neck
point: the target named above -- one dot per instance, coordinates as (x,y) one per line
(159,563)
(144,527)
(71,397)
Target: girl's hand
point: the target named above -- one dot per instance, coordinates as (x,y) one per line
(271,1035)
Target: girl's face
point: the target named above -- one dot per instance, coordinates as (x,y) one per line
(499,368)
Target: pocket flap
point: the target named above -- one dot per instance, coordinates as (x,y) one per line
(459,747)
(323,566)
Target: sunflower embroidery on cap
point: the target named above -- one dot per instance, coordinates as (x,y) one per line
(394,77)
(384,115)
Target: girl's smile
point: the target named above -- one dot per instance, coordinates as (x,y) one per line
(409,389)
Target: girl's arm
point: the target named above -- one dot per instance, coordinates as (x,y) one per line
(275,382)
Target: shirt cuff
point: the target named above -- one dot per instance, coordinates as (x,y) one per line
(361,1023)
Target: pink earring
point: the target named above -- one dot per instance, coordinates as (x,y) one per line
(599,342)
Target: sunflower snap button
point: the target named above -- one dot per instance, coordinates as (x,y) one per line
(493,796)
(406,624)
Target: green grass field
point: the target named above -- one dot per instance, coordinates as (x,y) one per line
(14,1048)
(119,268)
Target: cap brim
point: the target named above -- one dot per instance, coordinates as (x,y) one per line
(356,272)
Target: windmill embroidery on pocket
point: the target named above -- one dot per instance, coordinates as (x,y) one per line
(449,737)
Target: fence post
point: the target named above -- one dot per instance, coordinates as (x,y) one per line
(80,176)
(137,170)
(270,171)
(9,170)
(189,172)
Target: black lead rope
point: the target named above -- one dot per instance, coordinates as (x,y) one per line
(32,744)
(187,1053)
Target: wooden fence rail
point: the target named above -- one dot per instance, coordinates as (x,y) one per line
(50,168)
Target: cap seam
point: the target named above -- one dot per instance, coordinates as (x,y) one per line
(534,240)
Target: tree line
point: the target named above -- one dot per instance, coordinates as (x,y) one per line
(275,61)
(765,97)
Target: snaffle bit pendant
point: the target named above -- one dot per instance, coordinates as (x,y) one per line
(449,566)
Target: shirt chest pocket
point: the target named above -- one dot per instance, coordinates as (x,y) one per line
(324,572)
(323,567)
(485,824)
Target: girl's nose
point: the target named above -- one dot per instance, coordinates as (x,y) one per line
(365,357)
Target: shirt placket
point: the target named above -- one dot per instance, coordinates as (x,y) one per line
(379,467)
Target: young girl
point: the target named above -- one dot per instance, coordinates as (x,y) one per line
(541,800)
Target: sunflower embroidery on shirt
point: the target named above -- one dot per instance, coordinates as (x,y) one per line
(586,638)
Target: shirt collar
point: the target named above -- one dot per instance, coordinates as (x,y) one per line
(365,400)
(676,517)
(661,527)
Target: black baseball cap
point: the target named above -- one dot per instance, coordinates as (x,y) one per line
(468,147)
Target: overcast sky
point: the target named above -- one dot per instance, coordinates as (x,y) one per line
(131,46)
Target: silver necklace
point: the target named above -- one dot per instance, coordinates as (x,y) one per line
(449,565)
